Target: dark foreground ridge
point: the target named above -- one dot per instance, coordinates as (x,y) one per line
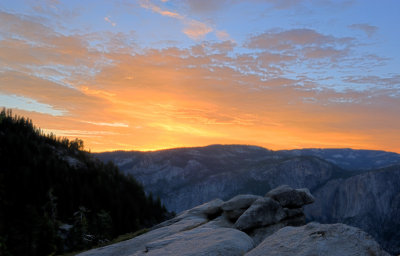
(249,225)
(55,197)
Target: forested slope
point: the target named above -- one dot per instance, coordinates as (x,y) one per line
(54,197)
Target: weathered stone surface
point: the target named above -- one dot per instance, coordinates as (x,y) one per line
(306,195)
(201,241)
(136,244)
(236,206)
(259,234)
(234,214)
(299,220)
(219,222)
(293,212)
(289,197)
(239,202)
(211,208)
(264,211)
(318,239)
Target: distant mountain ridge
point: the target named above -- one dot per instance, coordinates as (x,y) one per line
(346,158)
(186,177)
(351,159)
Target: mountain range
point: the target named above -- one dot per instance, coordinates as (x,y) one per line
(363,186)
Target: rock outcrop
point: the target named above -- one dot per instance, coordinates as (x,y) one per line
(211,229)
(319,239)
(291,198)
(238,205)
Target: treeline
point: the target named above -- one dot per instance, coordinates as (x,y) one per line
(56,198)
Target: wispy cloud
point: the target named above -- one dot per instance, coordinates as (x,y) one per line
(107,19)
(194,29)
(108,124)
(78,133)
(155,8)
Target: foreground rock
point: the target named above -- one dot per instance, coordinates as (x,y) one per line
(263,212)
(291,198)
(319,239)
(202,241)
(236,206)
(214,229)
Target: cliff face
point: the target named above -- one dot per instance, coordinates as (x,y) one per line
(370,201)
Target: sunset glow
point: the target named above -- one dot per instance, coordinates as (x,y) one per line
(155,74)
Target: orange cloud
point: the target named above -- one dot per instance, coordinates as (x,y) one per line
(196,30)
(222,35)
(191,97)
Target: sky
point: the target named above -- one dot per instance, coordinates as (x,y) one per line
(156,74)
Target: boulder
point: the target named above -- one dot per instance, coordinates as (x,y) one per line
(209,210)
(260,233)
(264,211)
(236,206)
(290,213)
(234,214)
(239,202)
(219,222)
(318,239)
(291,198)
(201,241)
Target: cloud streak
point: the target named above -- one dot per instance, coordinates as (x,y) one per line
(107,19)
(194,29)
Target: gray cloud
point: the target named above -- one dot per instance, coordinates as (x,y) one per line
(366,28)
